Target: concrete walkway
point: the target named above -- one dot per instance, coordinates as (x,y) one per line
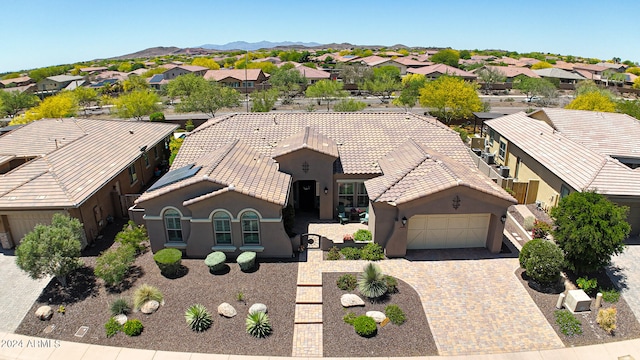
(626,273)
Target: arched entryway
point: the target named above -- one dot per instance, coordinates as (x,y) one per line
(306,195)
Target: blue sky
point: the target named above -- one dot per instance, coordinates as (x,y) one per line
(44,32)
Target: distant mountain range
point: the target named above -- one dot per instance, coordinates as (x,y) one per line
(243,45)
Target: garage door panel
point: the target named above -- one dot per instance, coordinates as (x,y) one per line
(436,222)
(447,231)
(21,224)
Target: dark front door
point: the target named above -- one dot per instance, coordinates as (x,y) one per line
(307,194)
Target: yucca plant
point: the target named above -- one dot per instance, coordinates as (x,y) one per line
(145,293)
(198,318)
(371,282)
(258,324)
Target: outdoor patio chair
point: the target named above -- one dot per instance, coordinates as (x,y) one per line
(364,217)
(342,215)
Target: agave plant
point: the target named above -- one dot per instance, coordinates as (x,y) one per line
(198,318)
(258,324)
(371,282)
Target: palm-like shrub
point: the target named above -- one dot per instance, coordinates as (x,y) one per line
(145,293)
(371,282)
(120,306)
(258,324)
(198,318)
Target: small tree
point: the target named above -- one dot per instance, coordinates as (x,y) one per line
(132,235)
(113,264)
(589,230)
(263,101)
(326,90)
(439,96)
(51,250)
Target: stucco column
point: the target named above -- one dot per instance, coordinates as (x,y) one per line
(326,200)
(5,234)
(495,235)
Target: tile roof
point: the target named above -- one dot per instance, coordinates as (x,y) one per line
(563,65)
(513,71)
(15,80)
(238,74)
(311,73)
(308,138)
(612,134)
(590,67)
(442,69)
(64,78)
(234,166)
(413,170)
(193,68)
(370,60)
(558,73)
(74,159)
(412,62)
(577,165)
(587,74)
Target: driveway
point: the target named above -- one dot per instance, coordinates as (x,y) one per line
(18,294)
(625,273)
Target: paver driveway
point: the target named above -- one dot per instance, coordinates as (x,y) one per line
(18,292)
(626,273)
(475,305)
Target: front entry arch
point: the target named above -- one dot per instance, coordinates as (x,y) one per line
(305,195)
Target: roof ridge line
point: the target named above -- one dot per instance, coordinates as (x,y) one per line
(24,183)
(57,180)
(231,146)
(400,178)
(593,178)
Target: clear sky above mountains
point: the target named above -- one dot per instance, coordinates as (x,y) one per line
(42,32)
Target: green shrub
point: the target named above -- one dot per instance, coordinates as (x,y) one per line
(395,314)
(112,327)
(607,319)
(371,283)
(334,254)
(362,235)
(545,261)
(586,284)
(132,327)
(610,295)
(365,326)
(120,306)
(372,252)
(347,282)
(349,318)
(189,125)
(145,293)
(569,324)
(349,105)
(464,135)
(258,324)
(528,223)
(133,235)
(112,265)
(392,284)
(525,252)
(540,230)
(198,318)
(156,116)
(351,253)
(169,261)
(246,260)
(215,261)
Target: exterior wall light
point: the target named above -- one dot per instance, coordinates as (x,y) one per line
(503,218)
(326,190)
(404,221)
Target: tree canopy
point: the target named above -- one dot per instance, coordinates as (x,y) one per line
(533,86)
(592,101)
(137,104)
(51,250)
(589,230)
(288,81)
(206,62)
(199,95)
(61,105)
(12,102)
(385,80)
(411,85)
(541,65)
(450,98)
(263,101)
(447,56)
(326,90)
(490,76)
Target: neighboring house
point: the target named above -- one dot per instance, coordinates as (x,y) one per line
(76,167)
(567,80)
(547,164)
(31,88)
(156,81)
(233,177)
(378,61)
(16,82)
(174,72)
(121,76)
(563,65)
(272,59)
(312,75)
(510,72)
(437,70)
(617,67)
(243,80)
(54,84)
(412,63)
(93,70)
(593,69)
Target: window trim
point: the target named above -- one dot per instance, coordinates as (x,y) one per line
(359,190)
(247,232)
(216,231)
(502,153)
(167,229)
(133,175)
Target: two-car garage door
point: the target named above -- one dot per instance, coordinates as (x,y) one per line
(447,231)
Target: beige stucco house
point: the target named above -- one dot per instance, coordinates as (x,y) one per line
(234,175)
(79,167)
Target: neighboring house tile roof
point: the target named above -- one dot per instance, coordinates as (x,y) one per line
(112,75)
(193,68)
(73,159)
(308,138)
(311,73)
(413,170)
(563,65)
(513,71)
(590,67)
(370,60)
(238,74)
(577,165)
(412,62)
(588,75)
(362,138)
(64,78)
(17,80)
(93,69)
(558,74)
(613,134)
(443,70)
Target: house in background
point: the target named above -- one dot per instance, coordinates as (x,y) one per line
(16,82)
(510,72)
(54,84)
(311,74)
(234,175)
(243,80)
(75,167)
(176,71)
(433,72)
(548,162)
(567,80)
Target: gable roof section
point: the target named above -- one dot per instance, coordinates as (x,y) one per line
(558,73)
(238,74)
(610,134)
(310,139)
(362,138)
(85,158)
(577,165)
(442,69)
(311,73)
(412,171)
(513,71)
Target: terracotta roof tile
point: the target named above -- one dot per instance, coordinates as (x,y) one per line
(308,138)
(238,74)
(442,69)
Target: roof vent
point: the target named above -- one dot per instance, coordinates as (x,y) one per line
(232,187)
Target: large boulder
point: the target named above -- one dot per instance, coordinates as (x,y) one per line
(257,307)
(121,318)
(150,307)
(349,300)
(377,316)
(226,310)
(44,312)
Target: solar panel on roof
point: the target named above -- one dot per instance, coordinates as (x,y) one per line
(156,78)
(176,175)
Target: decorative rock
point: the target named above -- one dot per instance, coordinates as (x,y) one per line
(349,300)
(121,318)
(257,307)
(44,312)
(377,316)
(150,307)
(226,310)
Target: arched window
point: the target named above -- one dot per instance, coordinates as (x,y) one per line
(222,228)
(173,226)
(250,228)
